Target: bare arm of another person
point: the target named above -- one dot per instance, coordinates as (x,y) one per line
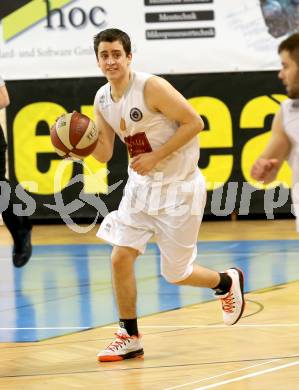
(161,96)
(4,97)
(104,149)
(266,167)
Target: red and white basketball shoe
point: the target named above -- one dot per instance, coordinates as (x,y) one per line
(123,347)
(233,302)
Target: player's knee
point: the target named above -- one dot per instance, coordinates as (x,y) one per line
(118,259)
(122,256)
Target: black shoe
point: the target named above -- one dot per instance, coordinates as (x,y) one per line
(22,250)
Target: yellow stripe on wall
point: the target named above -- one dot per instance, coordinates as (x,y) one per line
(27,16)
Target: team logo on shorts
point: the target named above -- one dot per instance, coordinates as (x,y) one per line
(136,114)
(107,227)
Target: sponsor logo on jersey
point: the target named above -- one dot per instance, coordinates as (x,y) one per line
(137,144)
(135,114)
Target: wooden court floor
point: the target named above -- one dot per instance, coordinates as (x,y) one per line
(188,348)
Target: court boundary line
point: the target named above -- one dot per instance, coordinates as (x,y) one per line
(257,373)
(159,326)
(223,374)
(217,384)
(52,328)
(212,326)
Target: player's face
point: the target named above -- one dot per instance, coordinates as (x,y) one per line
(113,60)
(289,74)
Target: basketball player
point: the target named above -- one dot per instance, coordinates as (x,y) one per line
(19,227)
(165,193)
(284,142)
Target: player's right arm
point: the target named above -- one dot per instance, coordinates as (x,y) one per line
(266,167)
(104,149)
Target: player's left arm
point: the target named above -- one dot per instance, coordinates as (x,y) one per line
(161,96)
(4,97)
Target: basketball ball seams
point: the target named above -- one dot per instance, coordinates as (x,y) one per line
(56,141)
(62,124)
(78,124)
(74,135)
(89,136)
(83,152)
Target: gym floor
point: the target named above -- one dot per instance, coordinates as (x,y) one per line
(66,289)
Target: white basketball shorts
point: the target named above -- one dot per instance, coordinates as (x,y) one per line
(174,221)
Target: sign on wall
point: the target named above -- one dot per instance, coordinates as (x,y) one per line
(237,110)
(54,38)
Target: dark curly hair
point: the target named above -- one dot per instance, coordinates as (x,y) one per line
(111,35)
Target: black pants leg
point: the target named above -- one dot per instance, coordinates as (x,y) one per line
(17,225)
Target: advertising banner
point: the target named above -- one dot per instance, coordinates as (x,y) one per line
(54,38)
(237,109)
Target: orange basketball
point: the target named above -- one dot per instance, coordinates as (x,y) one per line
(74,135)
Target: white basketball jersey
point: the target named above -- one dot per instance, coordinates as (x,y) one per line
(290,121)
(143,131)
